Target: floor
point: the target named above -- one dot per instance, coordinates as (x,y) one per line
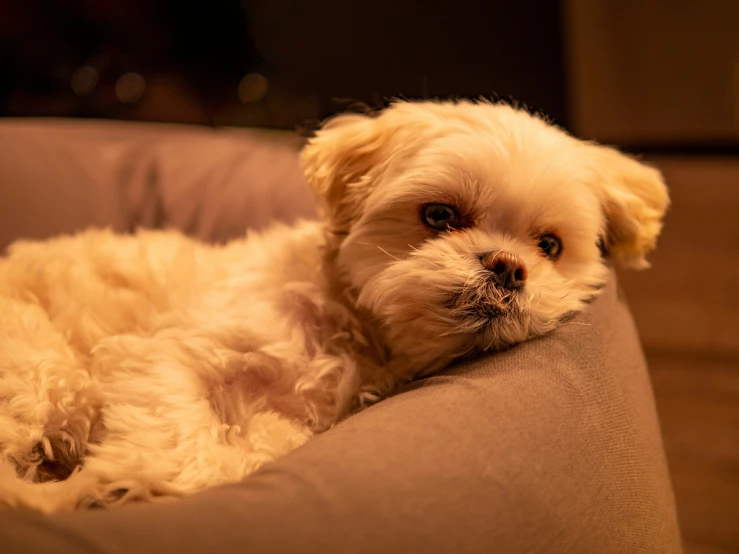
(687,311)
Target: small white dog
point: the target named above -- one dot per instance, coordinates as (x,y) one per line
(134,367)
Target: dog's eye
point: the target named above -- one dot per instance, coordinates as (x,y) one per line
(440,217)
(551,246)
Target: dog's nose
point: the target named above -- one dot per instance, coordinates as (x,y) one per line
(508,270)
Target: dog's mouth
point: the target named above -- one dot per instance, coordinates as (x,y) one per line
(479,306)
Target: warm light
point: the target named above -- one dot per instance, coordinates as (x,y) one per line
(84,79)
(130,87)
(253,88)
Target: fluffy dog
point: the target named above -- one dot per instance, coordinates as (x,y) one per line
(136,367)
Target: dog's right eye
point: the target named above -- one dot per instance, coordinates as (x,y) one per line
(441,217)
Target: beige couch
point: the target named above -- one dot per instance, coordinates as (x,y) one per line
(552,446)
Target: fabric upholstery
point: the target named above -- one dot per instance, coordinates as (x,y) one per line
(59,176)
(551,446)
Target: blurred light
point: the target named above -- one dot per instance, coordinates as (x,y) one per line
(83,80)
(130,87)
(253,88)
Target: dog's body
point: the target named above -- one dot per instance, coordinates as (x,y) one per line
(167,361)
(159,365)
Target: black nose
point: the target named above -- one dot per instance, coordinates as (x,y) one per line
(508,270)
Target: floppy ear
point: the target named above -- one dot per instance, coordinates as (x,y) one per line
(635,199)
(338,160)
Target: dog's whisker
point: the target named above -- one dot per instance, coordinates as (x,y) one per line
(400,260)
(389,254)
(490,344)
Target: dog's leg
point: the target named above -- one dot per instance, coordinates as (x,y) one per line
(316,391)
(164,433)
(183,412)
(329,389)
(49,410)
(48,407)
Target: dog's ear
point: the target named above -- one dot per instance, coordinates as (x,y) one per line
(634,199)
(338,159)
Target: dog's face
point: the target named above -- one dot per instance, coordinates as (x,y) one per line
(464,227)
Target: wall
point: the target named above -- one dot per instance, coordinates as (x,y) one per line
(654,71)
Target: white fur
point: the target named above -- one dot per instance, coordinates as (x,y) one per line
(153,365)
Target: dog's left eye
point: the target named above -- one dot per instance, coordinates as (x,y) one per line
(551,246)
(440,217)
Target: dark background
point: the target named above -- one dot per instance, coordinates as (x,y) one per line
(314,55)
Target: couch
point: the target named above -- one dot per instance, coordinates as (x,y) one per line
(551,446)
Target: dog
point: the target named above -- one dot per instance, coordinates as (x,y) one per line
(152,366)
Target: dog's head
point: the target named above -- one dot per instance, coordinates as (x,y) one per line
(467,226)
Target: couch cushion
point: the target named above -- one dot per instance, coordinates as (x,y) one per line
(59,176)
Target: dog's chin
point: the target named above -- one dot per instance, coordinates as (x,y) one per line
(434,325)
(503,330)
(490,317)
